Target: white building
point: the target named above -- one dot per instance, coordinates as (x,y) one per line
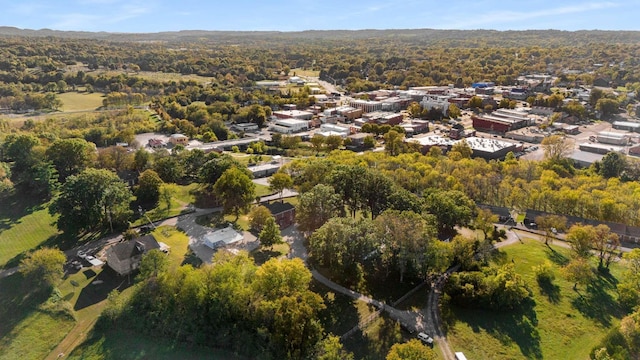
(222,237)
(436,101)
(366,105)
(289,126)
(332,129)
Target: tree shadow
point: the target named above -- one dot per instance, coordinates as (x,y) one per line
(550,290)
(98,289)
(517,326)
(340,314)
(556,257)
(15,206)
(597,303)
(190,258)
(18,299)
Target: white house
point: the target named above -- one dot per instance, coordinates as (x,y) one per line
(222,237)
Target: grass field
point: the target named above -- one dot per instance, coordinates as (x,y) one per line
(262,254)
(560,323)
(177,240)
(302,72)
(244,158)
(24,225)
(75,101)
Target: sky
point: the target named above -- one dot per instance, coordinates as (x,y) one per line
(144,16)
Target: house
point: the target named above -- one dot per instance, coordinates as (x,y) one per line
(179,139)
(222,237)
(125,257)
(284,213)
(156,143)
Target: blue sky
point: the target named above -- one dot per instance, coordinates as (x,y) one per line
(296,15)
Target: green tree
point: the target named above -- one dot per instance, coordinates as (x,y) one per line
(605,243)
(43,267)
(316,206)
(141,160)
(581,238)
(92,200)
(369,142)
(148,189)
(612,165)
(70,156)
(415,110)
(607,107)
(330,348)
(578,271)
(551,224)
(20,149)
(169,169)
(317,141)
(450,208)
(484,221)
(393,142)
(463,148)
(153,263)
(475,102)
(333,142)
(279,182)
(411,350)
(270,233)
(454,111)
(213,169)
(236,190)
(258,217)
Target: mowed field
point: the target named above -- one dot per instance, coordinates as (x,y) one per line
(80,101)
(560,324)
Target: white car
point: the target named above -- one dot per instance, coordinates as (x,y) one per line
(426,339)
(81,254)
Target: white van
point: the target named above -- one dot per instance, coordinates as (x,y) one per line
(460,356)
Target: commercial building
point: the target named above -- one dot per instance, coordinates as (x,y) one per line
(383,117)
(428,141)
(487,148)
(627,126)
(366,105)
(293,114)
(612,138)
(289,126)
(436,101)
(333,129)
(600,148)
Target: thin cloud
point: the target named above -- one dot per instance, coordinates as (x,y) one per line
(520,16)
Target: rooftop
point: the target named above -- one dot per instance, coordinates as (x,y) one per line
(487,145)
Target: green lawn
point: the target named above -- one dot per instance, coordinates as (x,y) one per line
(560,323)
(119,344)
(244,158)
(176,239)
(26,330)
(75,101)
(24,225)
(262,254)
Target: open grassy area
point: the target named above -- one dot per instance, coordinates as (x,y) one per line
(262,254)
(176,239)
(304,72)
(27,331)
(118,344)
(75,101)
(24,225)
(560,323)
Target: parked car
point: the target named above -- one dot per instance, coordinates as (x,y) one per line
(81,254)
(425,338)
(75,264)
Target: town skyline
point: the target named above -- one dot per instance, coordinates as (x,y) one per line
(294,15)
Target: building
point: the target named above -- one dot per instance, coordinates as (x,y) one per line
(293,114)
(366,106)
(429,141)
(612,138)
(357,139)
(496,124)
(284,213)
(627,126)
(125,257)
(333,129)
(383,117)
(246,127)
(179,139)
(584,159)
(156,143)
(436,101)
(289,126)
(264,170)
(599,148)
(222,237)
(488,148)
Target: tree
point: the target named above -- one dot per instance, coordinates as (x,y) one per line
(450,208)
(279,182)
(454,111)
(551,223)
(578,271)
(411,350)
(236,190)
(377,192)
(92,200)
(169,169)
(556,148)
(330,348)
(316,206)
(148,189)
(369,142)
(43,267)
(607,107)
(475,102)
(20,149)
(317,141)
(415,110)
(153,263)
(612,165)
(605,243)
(393,142)
(484,221)
(333,142)
(141,160)
(270,234)
(258,217)
(463,148)
(213,169)
(70,156)
(581,238)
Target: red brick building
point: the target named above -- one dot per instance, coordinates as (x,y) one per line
(284,213)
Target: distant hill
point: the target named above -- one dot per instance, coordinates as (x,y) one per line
(424,36)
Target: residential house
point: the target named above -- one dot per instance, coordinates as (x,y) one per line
(125,257)
(179,139)
(222,237)
(156,143)
(284,213)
